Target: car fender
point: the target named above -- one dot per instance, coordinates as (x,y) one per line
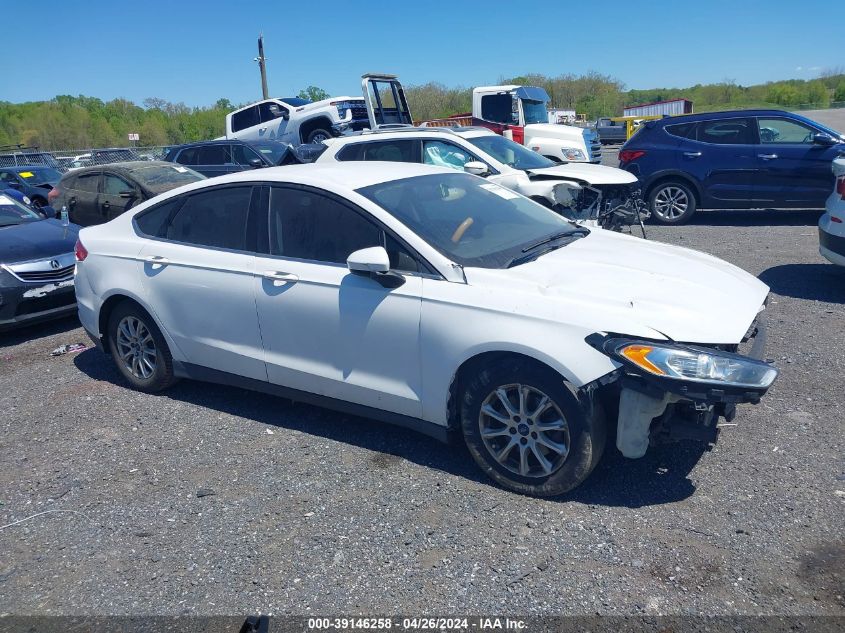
(664,173)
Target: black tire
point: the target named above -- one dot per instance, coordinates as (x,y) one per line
(318,135)
(585,430)
(671,202)
(161,377)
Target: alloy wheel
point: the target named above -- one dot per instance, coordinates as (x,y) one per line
(670,203)
(524,430)
(136,347)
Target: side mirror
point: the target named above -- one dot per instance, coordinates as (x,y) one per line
(373,262)
(285,115)
(476,167)
(127,194)
(820,138)
(13,184)
(255,163)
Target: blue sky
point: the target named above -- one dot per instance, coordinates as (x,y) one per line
(197,51)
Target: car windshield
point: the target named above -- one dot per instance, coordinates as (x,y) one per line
(470,221)
(40,176)
(13,212)
(294,101)
(510,152)
(161,178)
(534,111)
(271,151)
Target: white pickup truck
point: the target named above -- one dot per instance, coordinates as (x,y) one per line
(294,120)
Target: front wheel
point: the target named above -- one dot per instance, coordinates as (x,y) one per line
(318,136)
(671,203)
(527,431)
(139,349)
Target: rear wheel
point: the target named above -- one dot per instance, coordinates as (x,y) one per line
(671,202)
(139,349)
(318,136)
(528,431)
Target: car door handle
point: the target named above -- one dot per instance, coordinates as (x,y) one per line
(157,261)
(692,154)
(767,156)
(277,276)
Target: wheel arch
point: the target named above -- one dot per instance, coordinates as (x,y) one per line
(108,306)
(674,176)
(319,121)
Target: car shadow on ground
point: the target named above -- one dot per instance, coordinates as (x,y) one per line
(660,477)
(41,330)
(816,282)
(756,217)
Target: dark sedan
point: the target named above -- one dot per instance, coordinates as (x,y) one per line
(33,181)
(97,194)
(216,158)
(36,266)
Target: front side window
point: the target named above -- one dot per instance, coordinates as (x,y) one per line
(510,152)
(270,110)
(394,151)
(499,109)
(784,131)
(215,218)
(242,155)
(726,132)
(245,118)
(444,154)
(114,185)
(470,221)
(308,225)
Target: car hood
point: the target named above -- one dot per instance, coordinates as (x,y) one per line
(36,240)
(587,172)
(608,282)
(562,132)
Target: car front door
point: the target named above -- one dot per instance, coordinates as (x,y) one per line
(117,196)
(723,160)
(326,330)
(82,199)
(793,170)
(197,271)
(274,121)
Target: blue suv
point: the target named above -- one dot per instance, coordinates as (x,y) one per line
(742,159)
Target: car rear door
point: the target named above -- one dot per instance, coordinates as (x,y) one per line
(328,331)
(197,267)
(83,199)
(117,196)
(723,160)
(793,171)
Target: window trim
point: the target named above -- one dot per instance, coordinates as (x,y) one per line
(431,271)
(249,235)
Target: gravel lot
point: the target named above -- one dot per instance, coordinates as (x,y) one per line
(212,500)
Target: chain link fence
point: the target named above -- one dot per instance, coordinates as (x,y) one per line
(68,160)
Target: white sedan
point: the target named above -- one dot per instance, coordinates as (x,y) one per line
(832,222)
(431,299)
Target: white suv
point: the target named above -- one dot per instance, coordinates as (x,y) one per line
(432,299)
(592,194)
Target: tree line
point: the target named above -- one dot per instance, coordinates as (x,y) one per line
(68,122)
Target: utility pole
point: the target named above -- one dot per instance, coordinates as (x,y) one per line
(262,66)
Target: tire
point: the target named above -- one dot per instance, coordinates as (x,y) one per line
(571,448)
(131,331)
(671,202)
(318,136)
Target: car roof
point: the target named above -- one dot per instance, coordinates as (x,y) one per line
(227,141)
(379,135)
(125,167)
(721,114)
(19,168)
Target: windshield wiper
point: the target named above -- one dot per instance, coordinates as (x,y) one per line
(579,231)
(516,261)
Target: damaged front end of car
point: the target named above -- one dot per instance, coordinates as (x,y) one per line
(665,391)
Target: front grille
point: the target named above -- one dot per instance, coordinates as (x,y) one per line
(58,274)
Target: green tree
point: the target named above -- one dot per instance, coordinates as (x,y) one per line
(313,93)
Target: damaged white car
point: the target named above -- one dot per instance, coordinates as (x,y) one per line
(432,299)
(593,195)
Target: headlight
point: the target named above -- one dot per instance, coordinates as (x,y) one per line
(687,363)
(573,154)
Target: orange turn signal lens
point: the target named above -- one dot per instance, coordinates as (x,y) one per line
(638,354)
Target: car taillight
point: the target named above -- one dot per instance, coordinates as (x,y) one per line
(80,251)
(627,155)
(840,186)
(52,194)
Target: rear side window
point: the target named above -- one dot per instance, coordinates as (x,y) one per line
(394,151)
(216,218)
(213,155)
(682,130)
(726,132)
(87,182)
(307,225)
(245,118)
(154,221)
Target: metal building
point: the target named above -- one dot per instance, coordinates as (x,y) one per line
(658,108)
